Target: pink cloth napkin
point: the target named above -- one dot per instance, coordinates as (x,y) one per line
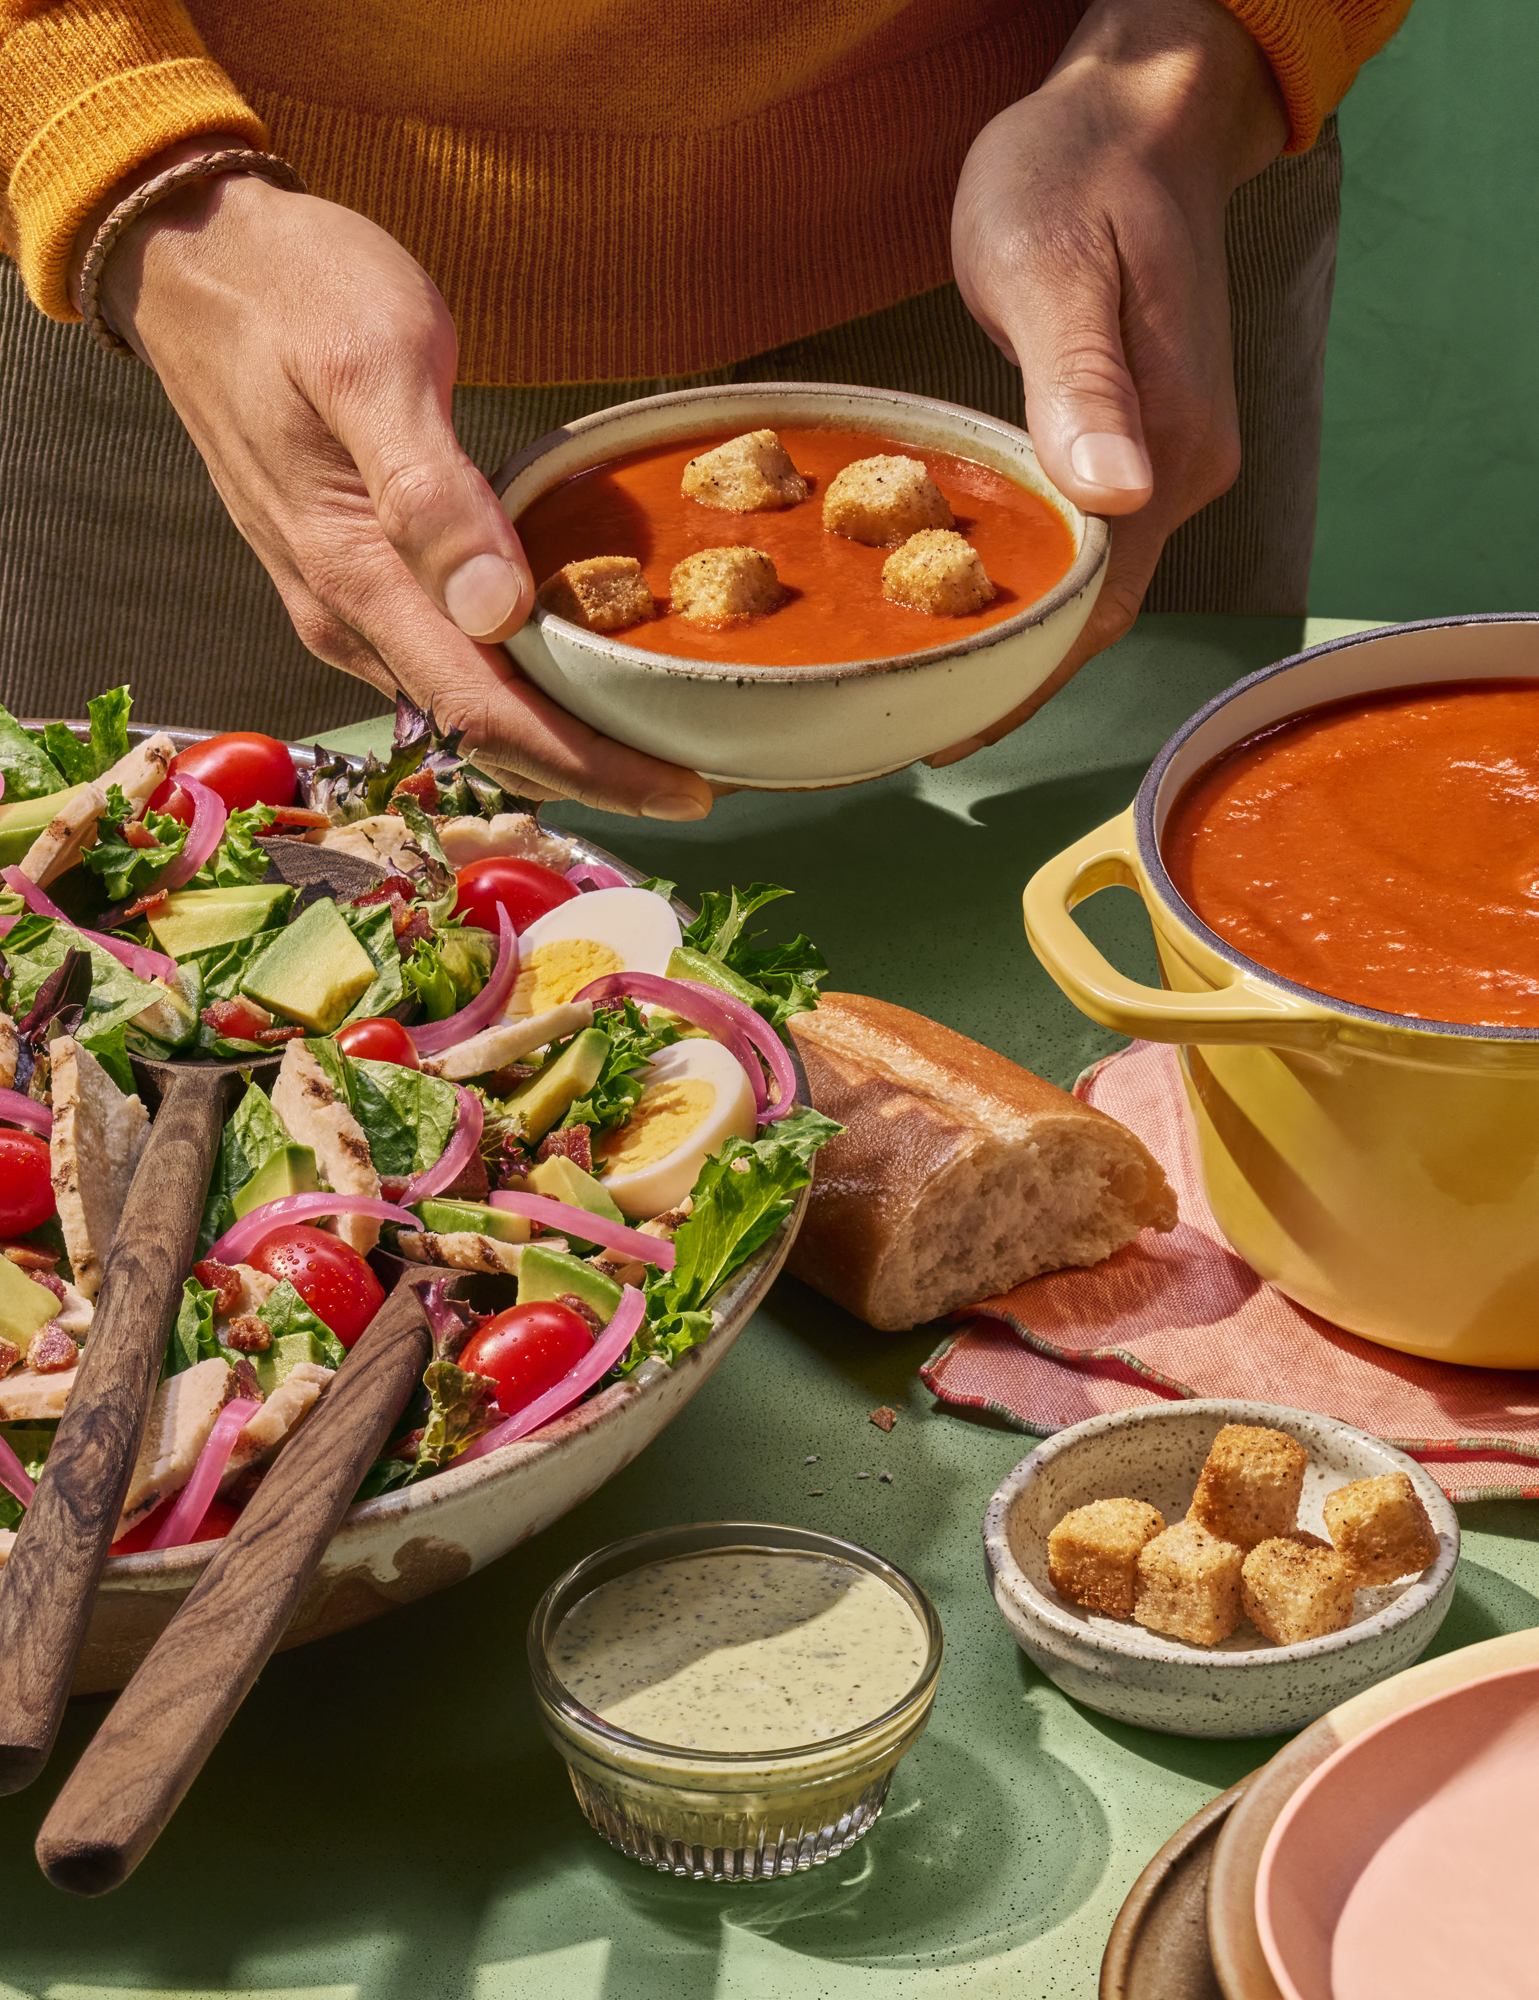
(1180,1315)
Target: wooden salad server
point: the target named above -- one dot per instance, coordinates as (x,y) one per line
(48,1587)
(154,1741)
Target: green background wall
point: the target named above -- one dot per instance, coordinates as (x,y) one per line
(1429,490)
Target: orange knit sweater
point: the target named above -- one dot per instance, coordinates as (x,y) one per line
(603,190)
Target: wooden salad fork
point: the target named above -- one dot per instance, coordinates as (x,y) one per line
(137,1768)
(48,1587)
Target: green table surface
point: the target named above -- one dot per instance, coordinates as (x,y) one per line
(384,1818)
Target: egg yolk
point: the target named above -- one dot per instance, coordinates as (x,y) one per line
(553,972)
(661,1122)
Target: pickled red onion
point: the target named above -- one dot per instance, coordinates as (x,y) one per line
(14,1475)
(16,1108)
(435,1036)
(763,1037)
(606,1351)
(458,1154)
(692,1002)
(588,1228)
(143,964)
(186,1517)
(209,813)
(238,1242)
(598,874)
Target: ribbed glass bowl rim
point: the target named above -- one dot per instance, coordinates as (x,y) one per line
(698,1538)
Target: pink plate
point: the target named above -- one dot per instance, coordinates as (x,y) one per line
(1405,1865)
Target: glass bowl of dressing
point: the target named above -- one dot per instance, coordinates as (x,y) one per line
(731,1698)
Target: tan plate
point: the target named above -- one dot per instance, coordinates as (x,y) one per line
(1158,1948)
(1235,1943)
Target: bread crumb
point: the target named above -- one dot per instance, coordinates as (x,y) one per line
(887,1476)
(884,1418)
(603,594)
(751,474)
(723,586)
(815,1493)
(811,1459)
(938,573)
(882,501)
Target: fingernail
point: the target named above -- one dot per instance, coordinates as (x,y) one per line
(675,805)
(1106,458)
(482,594)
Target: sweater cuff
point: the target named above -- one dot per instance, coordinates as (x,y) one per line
(1316,48)
(95,138)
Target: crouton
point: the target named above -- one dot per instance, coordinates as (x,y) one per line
(882,501)
(1295,1587)
(722,586)
(1380,1528)
(1092,1554)
(1250,1485)
(603,594)
(1189,1585)
(938,572)
(97,1137)
(751,474)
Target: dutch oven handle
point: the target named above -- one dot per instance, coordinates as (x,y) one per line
(1246,1009)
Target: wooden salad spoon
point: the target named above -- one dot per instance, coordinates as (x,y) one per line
(137,1768)
(48,1586)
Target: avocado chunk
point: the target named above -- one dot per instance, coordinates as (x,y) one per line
(552,1274)
(445,1217)
(172,1016)
(24,1307)
(192,920)
(291,1170)
(549,1095)
(24,819)
(687,963)
(563,1180)
(313,971)
(284,1356)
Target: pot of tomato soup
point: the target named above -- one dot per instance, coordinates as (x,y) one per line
(1340,861)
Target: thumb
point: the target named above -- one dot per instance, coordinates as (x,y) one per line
(1081,401)
(440,515)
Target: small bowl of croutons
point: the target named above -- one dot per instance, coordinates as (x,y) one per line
(1216,1568)
(795,584)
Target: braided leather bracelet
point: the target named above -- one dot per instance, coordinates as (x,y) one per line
(233,160)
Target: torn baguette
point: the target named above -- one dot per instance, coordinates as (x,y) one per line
(959,1174)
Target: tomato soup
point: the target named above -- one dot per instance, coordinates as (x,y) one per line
(1382,850)
(834,608)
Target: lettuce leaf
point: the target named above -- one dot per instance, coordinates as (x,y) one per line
(31,1444)
(28,770)
(128,871)
(237,859)
(36,946)
(785,976)
(374,928)
(72,758)
(109,727)
(252,1134)
(192,1338)
(430,981)
(461,1411)
(284,1311)
(406,1115)
(633,1041)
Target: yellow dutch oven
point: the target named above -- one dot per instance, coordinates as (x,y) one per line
(1381,1170)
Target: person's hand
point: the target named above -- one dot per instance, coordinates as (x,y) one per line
(1088,241)
(311,359)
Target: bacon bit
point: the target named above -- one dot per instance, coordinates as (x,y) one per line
(296,818)
(52,1350)
(137,834)
(421,786)
(583,1310)
(405,1448)
(29,1256)
(393,1186)
(471,1183)
(569,1142)
(248,1335)
(411,928)
(221,1281)
(145,903)
(269,1037)
(246,1382)
(10,1354)
(50,1283)
(382,892)
(502,1082)
(244,1020)
(884,1419)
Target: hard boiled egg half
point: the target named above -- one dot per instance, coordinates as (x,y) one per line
(695,1099)
(596,933)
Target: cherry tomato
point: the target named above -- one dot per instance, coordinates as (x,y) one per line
(245,769)
(217,1523)
(379,1039)
(523,888)
(526,1350)
(328,1274)
(26,1189)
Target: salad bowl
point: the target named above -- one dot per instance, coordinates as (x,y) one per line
(418,1538)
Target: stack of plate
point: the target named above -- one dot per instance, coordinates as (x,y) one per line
(1388,1849)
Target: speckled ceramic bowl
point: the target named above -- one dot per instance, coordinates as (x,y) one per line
(1244,1686)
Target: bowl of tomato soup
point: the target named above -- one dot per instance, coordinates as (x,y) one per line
(838,682)
(1340,860)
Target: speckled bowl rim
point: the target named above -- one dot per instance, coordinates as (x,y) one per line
(1008,1573)
(1091,557)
